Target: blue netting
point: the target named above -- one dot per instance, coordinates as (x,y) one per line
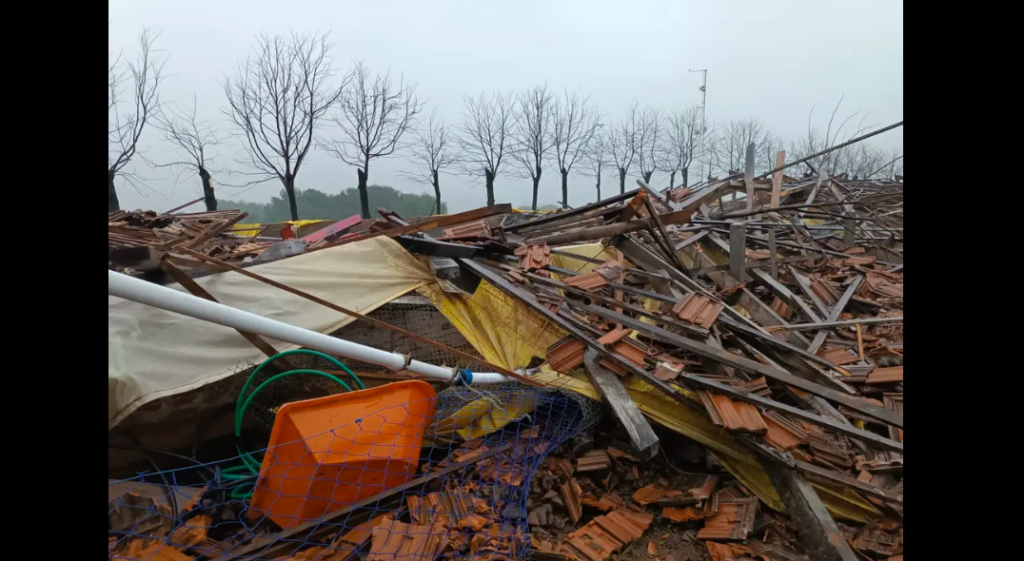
(408,481)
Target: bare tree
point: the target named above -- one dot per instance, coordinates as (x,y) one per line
(834,134)
(434,151)
(622,143)
(192,139)
(279,95)
(486,136)
(767,149)
(648,143)
(574,124)
(129,112)
(680,142)
(532,136)
(598,158)
(374,115)
(729,145)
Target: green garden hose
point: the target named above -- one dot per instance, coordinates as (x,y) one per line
(251,466)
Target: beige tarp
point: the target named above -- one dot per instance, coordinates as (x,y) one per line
(153,353)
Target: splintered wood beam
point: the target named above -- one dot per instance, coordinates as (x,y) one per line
(745,364)
(570,213)
(786,295)
(608,230)
(641,435)
(837,310)
(819,533)
(831,324)
(433,223)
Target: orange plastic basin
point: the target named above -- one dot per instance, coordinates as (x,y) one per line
(330,452)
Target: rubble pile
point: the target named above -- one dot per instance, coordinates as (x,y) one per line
(764,331)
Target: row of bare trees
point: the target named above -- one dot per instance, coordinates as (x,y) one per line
(282,95)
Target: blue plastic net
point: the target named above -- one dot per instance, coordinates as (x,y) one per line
(440,478)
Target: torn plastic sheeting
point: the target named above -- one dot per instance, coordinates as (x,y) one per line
(154,353)
(505,332)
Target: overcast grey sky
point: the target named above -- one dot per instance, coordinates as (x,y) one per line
(768,60)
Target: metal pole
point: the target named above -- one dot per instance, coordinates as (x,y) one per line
(137,290)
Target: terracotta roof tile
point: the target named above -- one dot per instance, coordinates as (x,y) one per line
(780,307)
(698,309)
(478,229)
(733,415)
(565,355)
(839,355)
(533,257)
(783,433)
(588,281)
(733,521)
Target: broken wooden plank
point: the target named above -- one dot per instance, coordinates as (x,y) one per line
(819,533)
(837,310)
(641,435)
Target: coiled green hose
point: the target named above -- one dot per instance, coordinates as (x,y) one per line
(250,467)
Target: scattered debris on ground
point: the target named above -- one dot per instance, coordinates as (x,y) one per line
(762,337)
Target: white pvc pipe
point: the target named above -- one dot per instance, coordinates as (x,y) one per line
(137,290)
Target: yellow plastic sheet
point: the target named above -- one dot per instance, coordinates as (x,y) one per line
(505,332)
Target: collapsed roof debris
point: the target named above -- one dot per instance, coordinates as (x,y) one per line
(768,329)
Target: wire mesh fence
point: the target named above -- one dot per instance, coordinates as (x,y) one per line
(389,473)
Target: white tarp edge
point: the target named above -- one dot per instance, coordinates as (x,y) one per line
(153,353)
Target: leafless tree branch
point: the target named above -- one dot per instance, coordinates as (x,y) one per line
(485,136)
(276,100)
(374,115)
(128,115)
(574,123)
(433,152)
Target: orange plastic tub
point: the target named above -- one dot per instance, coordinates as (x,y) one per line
(330,452)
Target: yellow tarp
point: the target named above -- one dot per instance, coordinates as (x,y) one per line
(255,227)
(505,332)
(508,332)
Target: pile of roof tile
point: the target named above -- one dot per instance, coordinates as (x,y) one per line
(798,354)
(134,238)
(777,318)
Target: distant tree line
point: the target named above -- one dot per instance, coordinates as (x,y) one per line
(313,204)
(287,96)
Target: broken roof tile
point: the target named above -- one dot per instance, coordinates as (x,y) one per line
(668,371)
(783,433)
(594,460)
(733,521)
(566,354)
(780,307)
(839,355)
(532,257)
(587,281)
(698,309)
(477,229)
(733,415)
